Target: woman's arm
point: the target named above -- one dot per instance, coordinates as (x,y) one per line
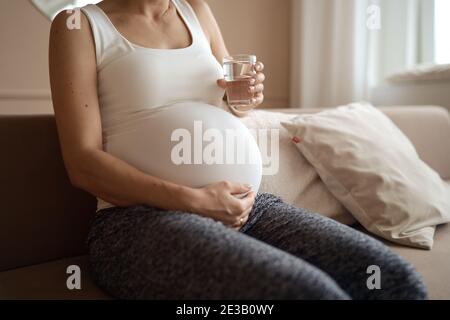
(210,28)
(73,76)
(219,49)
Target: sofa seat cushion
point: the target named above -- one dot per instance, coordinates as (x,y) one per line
(48,281)
(433,265)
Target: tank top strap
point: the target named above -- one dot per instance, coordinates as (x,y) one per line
(109,44)
(190,17)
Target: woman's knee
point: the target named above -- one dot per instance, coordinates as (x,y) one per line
(399,279)
(311,283)
(380,273)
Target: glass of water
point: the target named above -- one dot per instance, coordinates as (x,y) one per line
(238,71)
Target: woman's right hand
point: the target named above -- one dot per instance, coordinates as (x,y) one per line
(222,202)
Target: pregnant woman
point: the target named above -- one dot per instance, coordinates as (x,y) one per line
(133,74)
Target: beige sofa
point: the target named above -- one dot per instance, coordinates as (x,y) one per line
(44,220)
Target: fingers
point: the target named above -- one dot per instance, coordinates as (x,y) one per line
(258,99)
(237,188)
(256,89)
(222,83)
(260,77)
(239,205)
(242,219)
(257,86)
(239,218)
(257,77)
(259,66)
(248,201)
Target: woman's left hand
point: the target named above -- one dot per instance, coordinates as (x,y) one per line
(256,84)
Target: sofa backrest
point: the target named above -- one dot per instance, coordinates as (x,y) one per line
(42,217)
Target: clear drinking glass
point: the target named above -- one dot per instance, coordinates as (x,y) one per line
(238,71)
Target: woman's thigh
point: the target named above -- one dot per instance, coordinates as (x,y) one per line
(341,251)
(141,252)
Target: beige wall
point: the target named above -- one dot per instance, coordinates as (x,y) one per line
(24,84)
(261,27)
(257,26)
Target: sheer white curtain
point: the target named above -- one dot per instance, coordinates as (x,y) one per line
(407,36)
(337,58)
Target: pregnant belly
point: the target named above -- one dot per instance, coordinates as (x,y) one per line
(190,143)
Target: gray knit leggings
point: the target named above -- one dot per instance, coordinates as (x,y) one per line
(282,252)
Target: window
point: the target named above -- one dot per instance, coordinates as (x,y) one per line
(441,33)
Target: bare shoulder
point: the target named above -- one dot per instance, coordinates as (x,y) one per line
(72,60)
(70,29)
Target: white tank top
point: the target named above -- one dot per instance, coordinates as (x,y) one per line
(144,93)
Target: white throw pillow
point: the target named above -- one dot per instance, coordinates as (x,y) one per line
(296,180)
(375,171)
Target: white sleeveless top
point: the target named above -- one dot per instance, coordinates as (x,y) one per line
(145,93)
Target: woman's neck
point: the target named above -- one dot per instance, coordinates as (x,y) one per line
(156,9)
